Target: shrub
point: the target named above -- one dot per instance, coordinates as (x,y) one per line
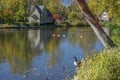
(34,24)
(72,16)
(116,35)
(76,19)
(103,66)
(115,31)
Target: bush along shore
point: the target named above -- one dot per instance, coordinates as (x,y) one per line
(100,66)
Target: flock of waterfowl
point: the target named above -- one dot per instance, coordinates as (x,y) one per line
(58,35)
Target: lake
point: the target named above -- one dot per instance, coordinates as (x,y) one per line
(44,54)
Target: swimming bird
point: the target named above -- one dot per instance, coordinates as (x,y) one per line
(75,62)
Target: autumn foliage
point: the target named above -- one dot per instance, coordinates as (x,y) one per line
(57,17)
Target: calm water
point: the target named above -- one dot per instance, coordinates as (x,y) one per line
(44,54)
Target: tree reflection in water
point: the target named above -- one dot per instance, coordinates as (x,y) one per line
(45,48)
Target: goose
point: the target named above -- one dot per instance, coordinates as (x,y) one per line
(75,62)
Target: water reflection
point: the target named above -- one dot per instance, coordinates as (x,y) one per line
(44,54)
(16,51)
(34,37)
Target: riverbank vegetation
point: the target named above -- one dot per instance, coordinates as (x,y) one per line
(102,66)
(115,30)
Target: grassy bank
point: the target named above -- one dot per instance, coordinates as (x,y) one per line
(102,66)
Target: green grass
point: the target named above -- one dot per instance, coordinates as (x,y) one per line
(102,66)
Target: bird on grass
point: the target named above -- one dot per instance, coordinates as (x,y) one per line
(76,62)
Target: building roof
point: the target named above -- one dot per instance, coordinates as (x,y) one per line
(39,8)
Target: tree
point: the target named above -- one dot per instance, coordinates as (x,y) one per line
(21,13)
(97,28)
(53,6)
(72,16)
(112,7)
(14,10)
(5,11)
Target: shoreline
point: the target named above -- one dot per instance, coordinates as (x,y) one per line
(27,27)
(35,27)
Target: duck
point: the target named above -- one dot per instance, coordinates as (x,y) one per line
(76,62)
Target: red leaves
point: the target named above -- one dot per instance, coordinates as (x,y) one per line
(57,16)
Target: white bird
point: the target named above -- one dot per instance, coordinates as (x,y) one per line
(81,36)
(34,69)
(53,35)
(58,35)
(63,36)
(24,76)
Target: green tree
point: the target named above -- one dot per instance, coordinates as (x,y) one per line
(13,10)
(53,6)
(21,13)
(112,7)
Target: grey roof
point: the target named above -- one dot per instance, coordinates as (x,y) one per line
(48,13)
(39,8)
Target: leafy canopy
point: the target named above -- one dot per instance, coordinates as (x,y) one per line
(112,7)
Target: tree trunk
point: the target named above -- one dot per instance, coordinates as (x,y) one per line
(97,28)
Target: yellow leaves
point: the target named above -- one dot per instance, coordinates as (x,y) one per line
(94,6)
(7,11)
(13,9)
(0,14)
(112,7)
(8,3)
(53,6)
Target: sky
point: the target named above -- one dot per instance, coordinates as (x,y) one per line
(66,3)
